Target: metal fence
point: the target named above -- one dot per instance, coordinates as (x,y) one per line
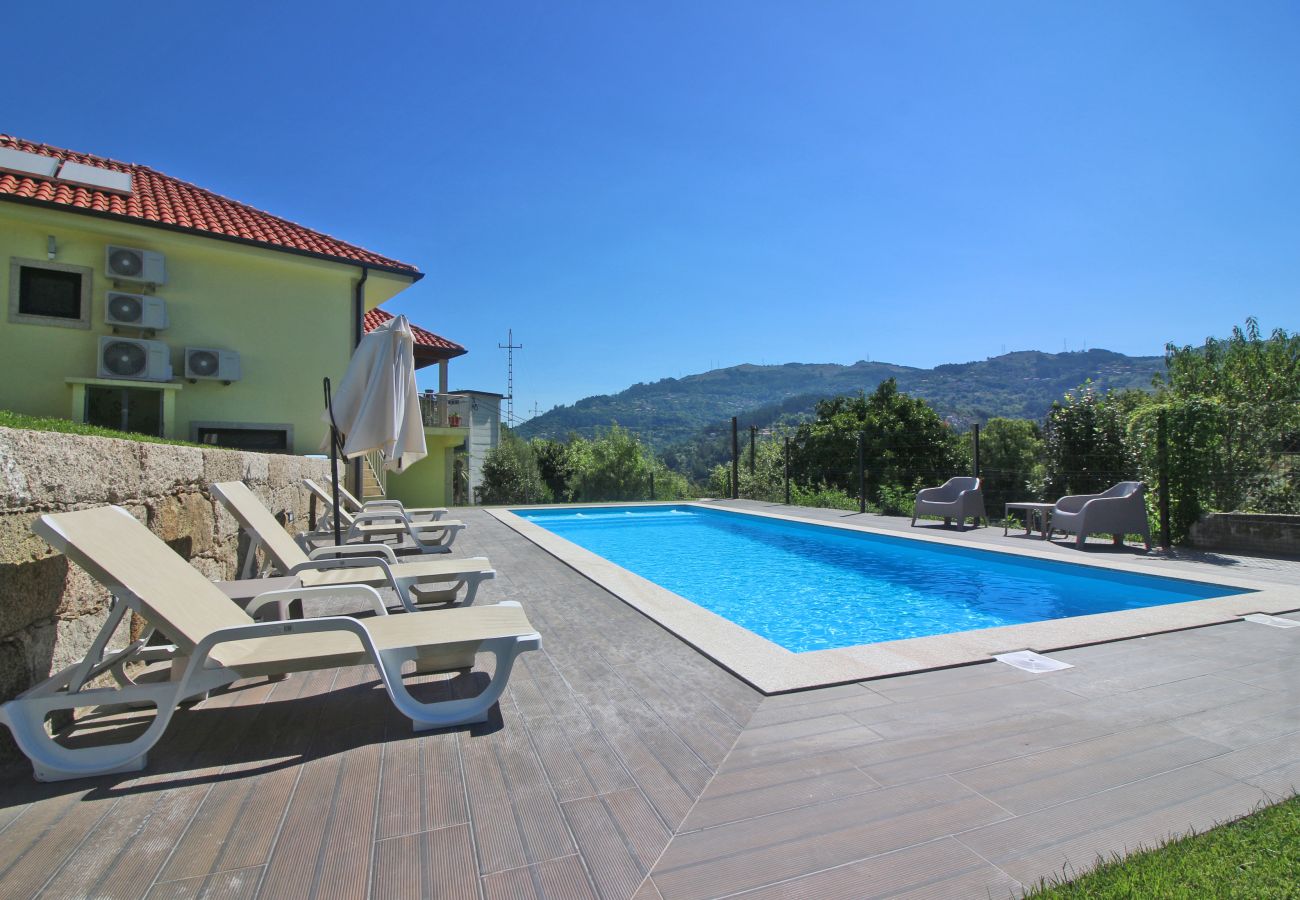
(1194,459)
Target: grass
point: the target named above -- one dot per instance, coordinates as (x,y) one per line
(9,419)
(1256,856)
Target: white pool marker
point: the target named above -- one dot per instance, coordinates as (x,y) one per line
(1274,621)
(1030,661)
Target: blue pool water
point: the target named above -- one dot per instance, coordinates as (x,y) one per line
(810,587)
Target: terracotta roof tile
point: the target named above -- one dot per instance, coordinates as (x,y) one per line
(162,200)
(443,348)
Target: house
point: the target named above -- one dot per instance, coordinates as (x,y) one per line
(141,302)
(459,430)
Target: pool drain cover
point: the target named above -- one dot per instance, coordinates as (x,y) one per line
(1030,661)
(1275,621)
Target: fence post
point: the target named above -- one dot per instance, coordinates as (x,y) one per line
(652,485)
(787,470)
(735,460)
(862,474)
(975,448)
(1162,463)
(753,433)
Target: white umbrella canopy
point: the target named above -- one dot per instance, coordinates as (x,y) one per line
(377,405)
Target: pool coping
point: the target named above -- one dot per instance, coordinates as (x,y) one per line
(772,669)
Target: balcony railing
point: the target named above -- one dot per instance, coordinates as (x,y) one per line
(444,410)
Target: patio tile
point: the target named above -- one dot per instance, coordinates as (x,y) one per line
(912,759)
(431,863)
(761,790)
(758,852)
(940,868)
(578,760)
(237,884)
(1273,766)
(1067,773)
(620,837)
(564,877)
(1071,837)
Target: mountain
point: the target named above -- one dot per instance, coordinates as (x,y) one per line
(673,410)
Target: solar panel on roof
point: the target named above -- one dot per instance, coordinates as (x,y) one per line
(92,176)
(20,162)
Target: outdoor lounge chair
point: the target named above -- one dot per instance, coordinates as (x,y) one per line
(1118,511)
(956,498)
(410,513)
(215,643)
(415,582)
(427,536)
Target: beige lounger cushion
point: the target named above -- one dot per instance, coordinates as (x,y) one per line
(421,570)
(423,528)
(438,630)
(121,553)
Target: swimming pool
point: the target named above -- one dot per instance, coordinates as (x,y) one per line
(808,587)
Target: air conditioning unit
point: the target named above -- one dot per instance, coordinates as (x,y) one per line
(207,362)
(135,359)
(134,264)
(135,311)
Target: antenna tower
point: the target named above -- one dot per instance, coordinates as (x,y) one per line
(510,347)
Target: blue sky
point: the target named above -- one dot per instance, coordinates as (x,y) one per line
(644,190)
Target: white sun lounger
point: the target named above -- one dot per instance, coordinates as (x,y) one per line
(410,513)
(382,524)
(216,643)
(415,582)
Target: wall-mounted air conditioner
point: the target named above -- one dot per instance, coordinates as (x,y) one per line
(132,358)
(134,264)
(210,363)
(135,311)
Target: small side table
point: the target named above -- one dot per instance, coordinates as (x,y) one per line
(1042,512)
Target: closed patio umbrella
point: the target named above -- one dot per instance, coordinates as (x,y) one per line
(377,406)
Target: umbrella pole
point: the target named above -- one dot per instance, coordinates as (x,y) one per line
(335,443)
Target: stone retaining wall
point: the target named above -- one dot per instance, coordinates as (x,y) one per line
(1248,533)
(50,611)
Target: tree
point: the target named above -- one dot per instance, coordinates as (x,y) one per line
(1011,462)
(613,466)
(510,474)
(1086,444)
(906,446)
(554,465)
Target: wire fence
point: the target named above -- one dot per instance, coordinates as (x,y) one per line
(1193,457)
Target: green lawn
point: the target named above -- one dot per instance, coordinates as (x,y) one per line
(10,419)
(1257,857)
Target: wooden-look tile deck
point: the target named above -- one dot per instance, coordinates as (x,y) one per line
(619,753)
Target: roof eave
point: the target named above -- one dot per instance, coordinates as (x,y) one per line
(413,274)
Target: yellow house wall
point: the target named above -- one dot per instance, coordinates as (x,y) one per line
(289,317)
(428,482)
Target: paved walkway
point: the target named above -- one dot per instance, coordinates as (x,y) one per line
(619,752)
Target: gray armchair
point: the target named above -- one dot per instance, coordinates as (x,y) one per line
(1119,511)
(956,498)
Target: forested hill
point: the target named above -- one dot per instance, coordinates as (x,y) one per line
(1021,384)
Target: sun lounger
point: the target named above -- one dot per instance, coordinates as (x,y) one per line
(956,498)
(410,513)
(382,524)
(415,582)
(215,643)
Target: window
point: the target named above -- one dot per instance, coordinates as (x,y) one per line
(47,293)
(234,436)
(138,410)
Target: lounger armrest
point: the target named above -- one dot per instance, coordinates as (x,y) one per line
(375,505)
(382,516)
(933,494)
(344,550)
(199,658)
(282,598)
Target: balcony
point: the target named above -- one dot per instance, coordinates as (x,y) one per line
(444,410)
